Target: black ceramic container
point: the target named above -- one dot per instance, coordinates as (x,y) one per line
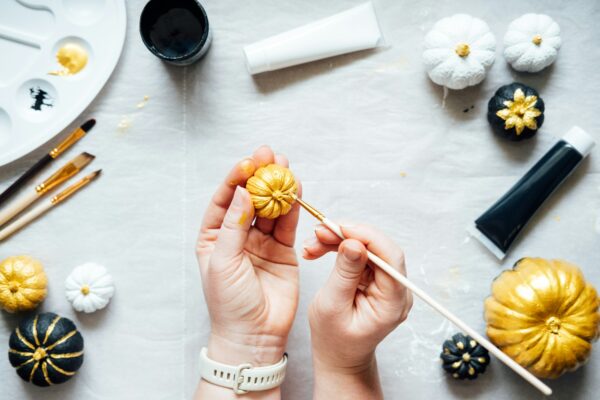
(176,31)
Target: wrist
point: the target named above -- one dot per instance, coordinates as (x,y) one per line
(347,382)
(235,349)
(345,366)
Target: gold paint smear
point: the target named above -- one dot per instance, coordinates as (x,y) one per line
(72,58)
(243,218)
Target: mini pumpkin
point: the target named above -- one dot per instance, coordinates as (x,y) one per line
(89,287)
(23,283)
(531,42)
(516,111)
(463,357)
(273,190)
(458,51)
(46,349)
(544,315)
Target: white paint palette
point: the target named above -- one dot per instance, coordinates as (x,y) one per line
(35,105)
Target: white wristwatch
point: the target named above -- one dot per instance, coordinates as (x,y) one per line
(242,378)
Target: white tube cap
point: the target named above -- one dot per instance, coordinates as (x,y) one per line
(580,140)
(257,60)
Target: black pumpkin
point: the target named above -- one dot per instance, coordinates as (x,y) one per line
(463,357)
(46,349)
(516,111)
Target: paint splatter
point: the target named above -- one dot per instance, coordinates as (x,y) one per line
(72,58)
(124,123)
(41,98)
(127,120)
(143,103)
(403,174)
(243,218)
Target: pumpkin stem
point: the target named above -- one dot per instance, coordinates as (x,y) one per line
(553,325)
(40,353)
(462,49)
(13,286)
(537,40)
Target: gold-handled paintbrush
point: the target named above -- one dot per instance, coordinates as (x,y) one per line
(43,208)
(60,176)
(396,275)
(47,159)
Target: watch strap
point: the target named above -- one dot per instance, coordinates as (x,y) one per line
(242,378)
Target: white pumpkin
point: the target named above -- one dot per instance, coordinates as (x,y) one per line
(532,42)
(89,287)
(458,51)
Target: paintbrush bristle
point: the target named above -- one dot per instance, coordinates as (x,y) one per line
(95,174)
(83,159)
(89,124)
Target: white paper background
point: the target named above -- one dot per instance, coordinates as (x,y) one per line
(352,127)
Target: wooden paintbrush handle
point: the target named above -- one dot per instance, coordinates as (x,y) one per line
(396,275)
(25,219)
(23,179)
(15,208)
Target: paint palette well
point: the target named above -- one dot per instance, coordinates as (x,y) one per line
(38,98)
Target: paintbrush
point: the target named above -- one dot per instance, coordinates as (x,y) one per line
(396,275)
(43,208)
(47,159)
(60,176)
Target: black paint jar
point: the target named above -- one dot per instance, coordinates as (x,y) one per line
(176,31)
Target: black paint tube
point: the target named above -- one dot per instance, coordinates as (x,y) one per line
(498,227)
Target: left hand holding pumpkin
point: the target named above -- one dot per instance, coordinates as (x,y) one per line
(249,271)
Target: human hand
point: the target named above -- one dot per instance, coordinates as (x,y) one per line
(356,309)
(249,271)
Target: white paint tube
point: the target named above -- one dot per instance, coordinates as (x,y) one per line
(351,30)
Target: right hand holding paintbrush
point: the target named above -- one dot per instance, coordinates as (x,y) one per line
(354,311)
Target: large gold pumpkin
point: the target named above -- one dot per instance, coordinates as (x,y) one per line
(544,315)
(273,190)
(22,283)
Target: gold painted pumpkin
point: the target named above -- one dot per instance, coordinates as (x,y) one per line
(22,284)
(273,190)
(544,315)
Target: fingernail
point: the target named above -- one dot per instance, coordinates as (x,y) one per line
(238,198)
(247,166)
(320,228)
(351,252)
(310,242)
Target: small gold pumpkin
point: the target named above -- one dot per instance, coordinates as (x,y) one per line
(273,190)
(23,284)
(544,315)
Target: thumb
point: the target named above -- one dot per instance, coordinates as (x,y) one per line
(235,227)
(344,279)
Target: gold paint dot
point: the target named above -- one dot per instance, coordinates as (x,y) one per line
(456,364)
(72,57)
(472,343)
(466,357)
(481,360)
(85,290)
(13,286)
(537,40)
(460,345)
(471,371)
(243,218)
(462,49)
(39,354)
(455,375)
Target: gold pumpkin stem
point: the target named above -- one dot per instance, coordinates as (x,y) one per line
(462,49)
(537,40)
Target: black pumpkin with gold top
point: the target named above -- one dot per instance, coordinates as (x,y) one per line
(463,357)
(516,111)
(46,349)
